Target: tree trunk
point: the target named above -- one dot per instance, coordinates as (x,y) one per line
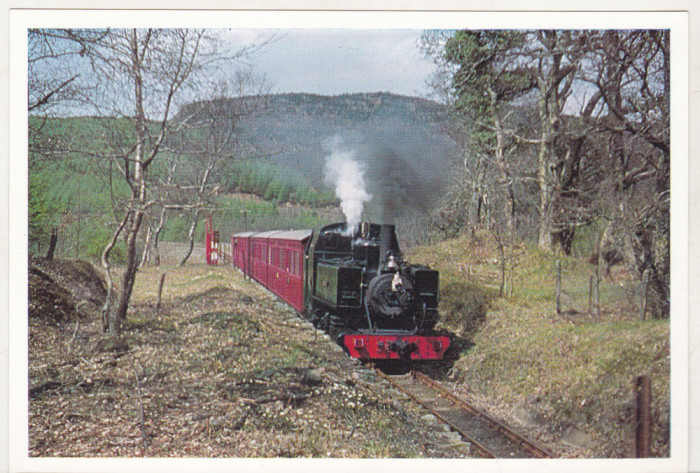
(139,184)
(476,199)
(200,200)
(129,276)
(506,180)
(52,244)
(109,321)
(193,228)
(161,223)
(146,255)
(546,176)
(156,239)
(554,82)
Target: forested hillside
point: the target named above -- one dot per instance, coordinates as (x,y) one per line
(278,156)
(297,130)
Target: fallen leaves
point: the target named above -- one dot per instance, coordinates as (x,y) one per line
(226,371)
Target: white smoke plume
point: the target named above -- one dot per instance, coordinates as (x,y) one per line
(346,174)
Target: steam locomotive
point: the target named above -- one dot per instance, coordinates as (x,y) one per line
(353,285)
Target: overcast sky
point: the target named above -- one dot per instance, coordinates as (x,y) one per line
(337,61)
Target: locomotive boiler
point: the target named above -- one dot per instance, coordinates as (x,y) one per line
(356,286)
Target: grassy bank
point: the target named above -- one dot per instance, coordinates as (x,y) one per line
(569,375)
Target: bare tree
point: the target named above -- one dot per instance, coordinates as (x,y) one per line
(136,78)
(151,248)
(210,142)
(555,77)
(631,73)
(52,77)
(53,88)
(467,203)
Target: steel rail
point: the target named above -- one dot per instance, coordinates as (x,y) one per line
(481,450)
(537,450)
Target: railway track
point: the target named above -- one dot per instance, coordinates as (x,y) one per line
(487,437)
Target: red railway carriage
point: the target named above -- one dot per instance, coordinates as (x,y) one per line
(259,256)
(275,259)
(240,249)
(286,266)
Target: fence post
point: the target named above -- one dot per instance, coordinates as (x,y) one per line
(643,425)
(558,287)
(645,292)
(590,295)
(596,289)
(160,294)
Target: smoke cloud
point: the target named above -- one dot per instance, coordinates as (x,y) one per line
(346,174)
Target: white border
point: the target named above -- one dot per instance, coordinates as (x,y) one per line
(21,19)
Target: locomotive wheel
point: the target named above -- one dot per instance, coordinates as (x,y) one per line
(323,322)
(336,322)
(315,315)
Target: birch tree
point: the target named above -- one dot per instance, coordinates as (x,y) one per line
(210,142)
(140,77)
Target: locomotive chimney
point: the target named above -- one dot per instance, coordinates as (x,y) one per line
(384,244)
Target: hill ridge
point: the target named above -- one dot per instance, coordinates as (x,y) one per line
(360,105)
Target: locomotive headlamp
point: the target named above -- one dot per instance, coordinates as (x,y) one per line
(391,263)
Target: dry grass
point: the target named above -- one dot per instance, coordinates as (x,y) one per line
(225,370)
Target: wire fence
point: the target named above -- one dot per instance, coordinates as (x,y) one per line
(598,294)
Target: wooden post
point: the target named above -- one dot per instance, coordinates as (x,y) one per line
(558,287)
(645,293)
(590,295)
(596,292)
(643,425)
(160,294)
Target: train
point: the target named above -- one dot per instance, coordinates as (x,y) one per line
(354,285)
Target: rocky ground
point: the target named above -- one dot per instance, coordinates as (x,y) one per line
(222,370)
